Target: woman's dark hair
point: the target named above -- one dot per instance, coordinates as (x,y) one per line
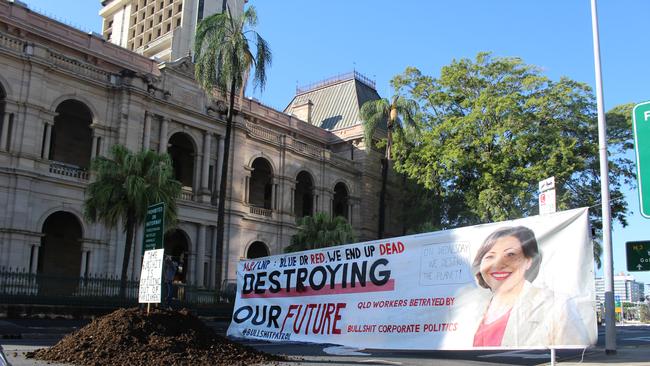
(528,246)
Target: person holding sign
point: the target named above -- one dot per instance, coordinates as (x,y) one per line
(515,313)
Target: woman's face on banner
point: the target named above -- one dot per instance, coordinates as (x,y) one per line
(504,265)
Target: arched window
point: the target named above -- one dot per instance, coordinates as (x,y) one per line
(261,184)
(72,134)
(59,256)
(181,150)
(303,199)
(341,198)
(257,250)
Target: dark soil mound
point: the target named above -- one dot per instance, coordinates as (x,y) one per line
(133,337)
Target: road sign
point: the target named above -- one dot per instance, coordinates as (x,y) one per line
(154,227)
(547,196)
(638,255)
(641,119)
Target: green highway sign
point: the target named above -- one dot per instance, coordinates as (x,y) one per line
(638,255)
(641,122)
(154,227)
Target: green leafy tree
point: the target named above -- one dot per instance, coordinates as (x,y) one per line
(492,127)
(125,185)
(398,117)
(223,55)
(320,231)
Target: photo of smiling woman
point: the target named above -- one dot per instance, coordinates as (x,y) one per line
(509,311)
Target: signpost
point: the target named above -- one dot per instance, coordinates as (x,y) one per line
(154,227)
(150,290)
(638,255)
(547,196)
(641,122)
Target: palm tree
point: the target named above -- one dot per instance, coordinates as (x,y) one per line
(398,116)
(125,185)
(320,231)
(223,56)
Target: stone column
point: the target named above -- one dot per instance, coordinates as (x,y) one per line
(146,138)
(45,154)
(93,151)
(34,264)
(274,195)
(82,271)
(207,138)
(349,211)
(190,273)
(4,143)
(200,255)
(196,179)
(213,267)
(164,126)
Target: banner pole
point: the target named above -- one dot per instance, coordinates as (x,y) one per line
(552,356)
(610,327)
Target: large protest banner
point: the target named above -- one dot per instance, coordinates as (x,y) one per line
(526,283)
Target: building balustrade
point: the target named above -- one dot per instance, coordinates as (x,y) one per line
(264,133)
(11,43)
(78,67)
(261,211)
(305,148)
(187,194)
(68,170)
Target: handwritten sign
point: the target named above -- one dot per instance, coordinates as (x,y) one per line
(151,277)
(445,263)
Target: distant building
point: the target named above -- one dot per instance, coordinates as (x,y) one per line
(625,287)
(162,29)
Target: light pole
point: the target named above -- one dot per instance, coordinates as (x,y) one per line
(610,327)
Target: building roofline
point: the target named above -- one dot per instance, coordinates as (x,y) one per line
(353,75)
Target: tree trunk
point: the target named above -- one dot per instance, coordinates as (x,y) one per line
(382,198)
(221,208)
(130,228)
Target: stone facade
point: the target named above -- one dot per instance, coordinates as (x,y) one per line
(67,96)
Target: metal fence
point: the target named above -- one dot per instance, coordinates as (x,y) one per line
(19,286)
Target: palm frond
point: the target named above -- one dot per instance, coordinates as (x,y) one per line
(373,113)
(223,53)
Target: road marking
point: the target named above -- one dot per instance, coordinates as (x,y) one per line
(519,354)
(344,351)
(643,339)
(384,362)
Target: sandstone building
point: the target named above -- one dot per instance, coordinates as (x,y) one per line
(67,96)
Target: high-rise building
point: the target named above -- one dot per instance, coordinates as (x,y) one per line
(162,29)
(625,287)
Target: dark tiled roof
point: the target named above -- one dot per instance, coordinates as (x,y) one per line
(336,103)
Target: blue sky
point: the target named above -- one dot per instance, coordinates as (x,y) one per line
(313,40)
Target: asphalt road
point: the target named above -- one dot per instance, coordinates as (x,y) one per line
(24,335)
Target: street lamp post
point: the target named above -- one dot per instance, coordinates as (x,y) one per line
(610,327)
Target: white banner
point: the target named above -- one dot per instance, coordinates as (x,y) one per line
(151,276)
(525,283)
